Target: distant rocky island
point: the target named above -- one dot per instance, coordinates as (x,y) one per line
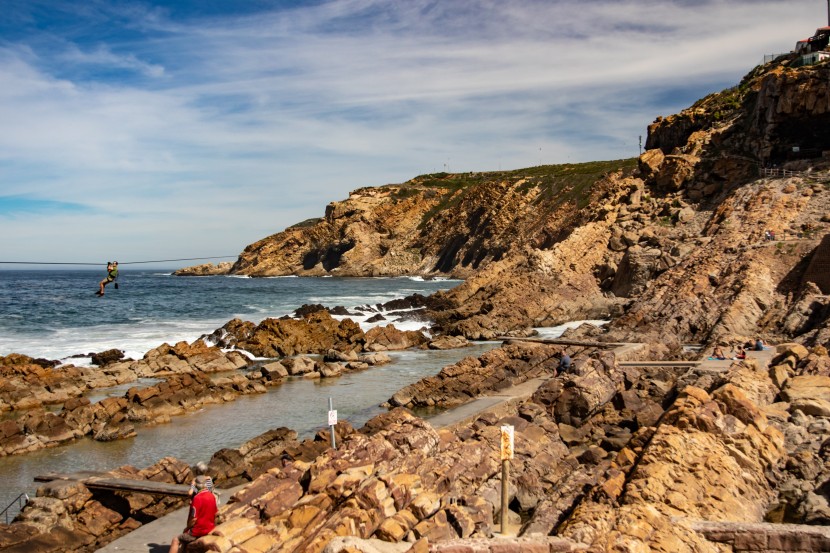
(715,237)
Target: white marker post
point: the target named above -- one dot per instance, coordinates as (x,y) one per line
(332,423)
(506,455)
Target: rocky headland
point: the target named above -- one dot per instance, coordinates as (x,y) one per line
(716,235)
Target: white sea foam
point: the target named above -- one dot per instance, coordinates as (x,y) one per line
(134,339)
(553,332)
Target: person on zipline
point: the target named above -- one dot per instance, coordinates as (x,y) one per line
(112,274)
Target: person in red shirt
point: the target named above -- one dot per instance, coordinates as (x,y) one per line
(202,516)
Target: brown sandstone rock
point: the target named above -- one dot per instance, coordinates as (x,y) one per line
(316,333)
(389,338)
(396,527)
(448,342)
(206,269)
(808,394)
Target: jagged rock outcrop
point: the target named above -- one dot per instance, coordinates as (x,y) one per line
(606,457)
(316,332)
(500,368)
(442,223)
(686,242)
(206,269)
(27,383)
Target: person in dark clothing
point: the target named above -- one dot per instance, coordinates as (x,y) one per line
(565,363)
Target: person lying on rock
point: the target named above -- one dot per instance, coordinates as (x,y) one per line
(201,520)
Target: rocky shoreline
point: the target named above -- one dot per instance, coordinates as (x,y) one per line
(46,404)
(607,455)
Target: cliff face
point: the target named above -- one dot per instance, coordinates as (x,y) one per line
(677,252)
(672,247)
(435,224)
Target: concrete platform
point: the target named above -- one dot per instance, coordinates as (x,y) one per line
(477,406)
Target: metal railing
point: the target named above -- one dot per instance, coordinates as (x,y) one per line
(776,172)
(20,501)
(772,57)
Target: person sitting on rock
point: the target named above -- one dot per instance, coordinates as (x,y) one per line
(760,345)
(740,352)
(564,363)
(718,354)
(201,520)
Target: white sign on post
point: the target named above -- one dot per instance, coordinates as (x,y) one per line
(506,442)
(333,417)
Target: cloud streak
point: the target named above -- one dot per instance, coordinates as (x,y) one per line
(191,131)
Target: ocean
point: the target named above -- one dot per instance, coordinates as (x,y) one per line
(55,314)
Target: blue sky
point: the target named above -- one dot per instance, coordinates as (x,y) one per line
(138,130)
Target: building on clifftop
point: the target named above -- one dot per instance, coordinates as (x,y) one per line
(813,50)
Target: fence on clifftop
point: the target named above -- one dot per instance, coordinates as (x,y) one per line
(776,172)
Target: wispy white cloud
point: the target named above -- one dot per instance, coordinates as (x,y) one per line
(190,131)
(103,57)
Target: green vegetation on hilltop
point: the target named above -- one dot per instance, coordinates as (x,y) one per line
(722,105)
(571,182)
(307,223)
(563,183)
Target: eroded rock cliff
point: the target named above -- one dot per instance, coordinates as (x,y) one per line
(671,248)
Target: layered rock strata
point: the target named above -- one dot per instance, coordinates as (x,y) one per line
(607,457)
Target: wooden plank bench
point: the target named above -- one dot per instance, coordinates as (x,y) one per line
(99,481)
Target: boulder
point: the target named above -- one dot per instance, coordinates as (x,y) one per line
(806,388)
(448,342)
(299,366)
(389,338)
(106,357)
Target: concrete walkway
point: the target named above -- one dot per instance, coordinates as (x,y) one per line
(715,365)
(472,409)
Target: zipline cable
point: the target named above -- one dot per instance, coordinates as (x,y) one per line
(120,262)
